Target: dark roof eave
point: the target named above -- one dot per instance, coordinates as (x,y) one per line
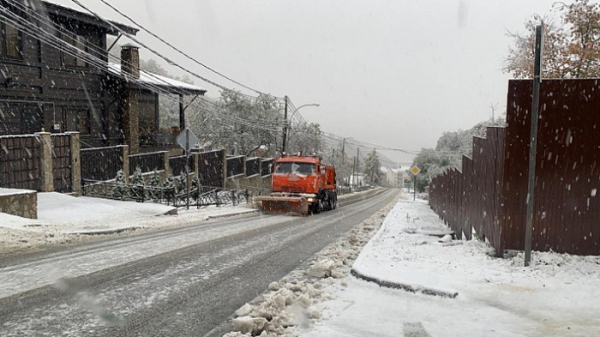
(174,90)
(89,19)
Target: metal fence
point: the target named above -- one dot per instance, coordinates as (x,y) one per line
(210,168)
(470,200)
(170,195)
(266,167)
(100,163)
(178,165)
(147,162)
(252,167)
(490,194)
(235,166)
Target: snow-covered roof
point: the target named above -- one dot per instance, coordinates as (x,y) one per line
(71,10)
(384,169)
(166,83)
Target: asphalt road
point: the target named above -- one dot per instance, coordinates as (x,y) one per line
(181,282)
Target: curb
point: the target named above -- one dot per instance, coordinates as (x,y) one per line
(403,286)
(105,231)
(232,214)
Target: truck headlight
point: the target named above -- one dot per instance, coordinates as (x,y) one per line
(310,199)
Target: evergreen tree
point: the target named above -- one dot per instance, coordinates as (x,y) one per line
(154,183)
(120,190)
(181,186)
(169,188)
(195,188)
(137,180)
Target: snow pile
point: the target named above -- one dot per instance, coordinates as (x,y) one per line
(292,302)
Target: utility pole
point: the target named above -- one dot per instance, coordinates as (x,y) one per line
(285,127)
(352,180)
(537,79)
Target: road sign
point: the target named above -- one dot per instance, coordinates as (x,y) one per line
(187,139)
(415,170)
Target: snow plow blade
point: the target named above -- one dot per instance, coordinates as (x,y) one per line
(297,205)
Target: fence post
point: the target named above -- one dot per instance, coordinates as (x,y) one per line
(125,161)
(166,165)
(75,163)
(196,159)
(224,168)
(46,161)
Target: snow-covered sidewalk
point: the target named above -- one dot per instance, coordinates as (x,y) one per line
(62,217)
(556,296)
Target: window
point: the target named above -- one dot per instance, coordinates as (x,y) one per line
(84,122)
(295,168)
(11,41)
(78,42)
(77,120)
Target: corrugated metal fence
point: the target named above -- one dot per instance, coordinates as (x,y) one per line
(489,195)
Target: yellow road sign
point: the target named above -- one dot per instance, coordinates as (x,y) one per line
(415,170)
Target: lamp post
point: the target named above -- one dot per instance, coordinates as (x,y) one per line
(285,121)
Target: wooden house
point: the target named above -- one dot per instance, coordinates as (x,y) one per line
(55,76)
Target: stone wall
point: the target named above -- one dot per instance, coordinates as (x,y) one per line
(21,203)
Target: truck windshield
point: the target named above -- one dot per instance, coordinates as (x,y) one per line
(295,168)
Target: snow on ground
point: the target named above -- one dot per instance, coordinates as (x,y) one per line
(292,304)
(61,218)
(496,297)
(556,296)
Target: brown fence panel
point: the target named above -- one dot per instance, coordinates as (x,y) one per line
(147,162)
(20,165)
(493,185)
(178,164)
(470,199)
(266,167)
(467,194)
(252,167)
(210,168)
(61,162)
(235,166)
(100,163)
(566,205)
(494,155)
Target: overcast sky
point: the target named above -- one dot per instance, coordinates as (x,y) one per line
(393,73)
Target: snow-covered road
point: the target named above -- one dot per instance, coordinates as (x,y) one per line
(186,280)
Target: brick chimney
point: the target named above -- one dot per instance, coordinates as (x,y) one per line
(130,68)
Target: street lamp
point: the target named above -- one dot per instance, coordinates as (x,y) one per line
(285,121)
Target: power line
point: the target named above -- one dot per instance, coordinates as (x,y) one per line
(169,61)
(71,50)
(180,51)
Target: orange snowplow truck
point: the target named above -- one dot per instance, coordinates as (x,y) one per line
(301,185)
